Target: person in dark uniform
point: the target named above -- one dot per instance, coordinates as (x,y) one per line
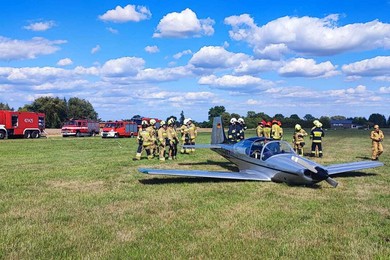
(316,135)
(233,131)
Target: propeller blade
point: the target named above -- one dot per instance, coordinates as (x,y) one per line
(304,164)
(332,182)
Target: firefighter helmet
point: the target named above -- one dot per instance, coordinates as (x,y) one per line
(298,127)
(241,121)
(144,122)
(233,120)
(171,121)
(152,121)
(162,122)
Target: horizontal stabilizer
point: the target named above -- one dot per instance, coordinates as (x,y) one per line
(353,166)
(208,174)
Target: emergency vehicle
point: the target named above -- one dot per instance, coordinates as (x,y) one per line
(80,127)
(120,129)
(21,124)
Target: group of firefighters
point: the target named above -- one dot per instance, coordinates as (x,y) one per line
(162,141)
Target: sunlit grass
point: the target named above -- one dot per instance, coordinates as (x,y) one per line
(84,198)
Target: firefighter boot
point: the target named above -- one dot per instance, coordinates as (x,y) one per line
(137,157)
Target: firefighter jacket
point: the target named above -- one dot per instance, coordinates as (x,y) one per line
(172,135)
(276,132)
(259,131)
(299,136)
(377,136)
(152,131)
(144,138)
(267,132)
(192,131)
(162,136)
(233,133)
(184,132)
(241,131)
(316,134)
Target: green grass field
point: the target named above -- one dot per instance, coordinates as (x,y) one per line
(84,198)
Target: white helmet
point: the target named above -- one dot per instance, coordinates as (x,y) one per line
(319,124)
(152,121)
(233,120)
(186,121)
(241,121)
(144,122)
(171,121)
(315,122)
(162,122)
(298,127)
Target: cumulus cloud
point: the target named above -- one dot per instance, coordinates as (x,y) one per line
(20,49)
(183,25)
(181,54)
(95,49)
(112,30)
(40,26)
(122,67)
(384,90)
(64,62)
(308,35)
(254,66)
(301,67)
(129,13)
(213,57)
(370,67)
(152,49)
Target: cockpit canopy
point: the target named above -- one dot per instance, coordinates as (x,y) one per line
(262,148)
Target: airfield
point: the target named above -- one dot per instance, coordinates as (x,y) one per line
(84,198)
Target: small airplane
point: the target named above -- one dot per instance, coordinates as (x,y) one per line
(264,159)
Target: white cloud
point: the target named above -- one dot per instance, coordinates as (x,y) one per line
(152,49)
(129,13)
(20,49)
(122,67)
(256,66)
(216,57)
(64,62)
(95,49)
(112,30)
(378,66)
(181,54)
(40,26)
(183,25)
(301,67)
(308,35)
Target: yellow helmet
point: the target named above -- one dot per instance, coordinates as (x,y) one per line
(152,121)
(162,122)
(171,121)
(298,127)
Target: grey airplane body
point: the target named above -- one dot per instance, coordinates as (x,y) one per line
(263,159)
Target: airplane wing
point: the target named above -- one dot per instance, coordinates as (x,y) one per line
(245,175)
(353,166)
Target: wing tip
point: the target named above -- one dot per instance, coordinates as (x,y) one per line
(143,170)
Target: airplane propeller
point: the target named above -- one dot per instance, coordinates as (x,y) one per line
(313,169)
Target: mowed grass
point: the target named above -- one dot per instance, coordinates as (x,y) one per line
(84,198)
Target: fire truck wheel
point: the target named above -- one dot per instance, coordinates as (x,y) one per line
(116,135)
(2,134)
(78,134)
(27,134)
(35,134)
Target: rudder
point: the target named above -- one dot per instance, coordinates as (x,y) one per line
(218,134)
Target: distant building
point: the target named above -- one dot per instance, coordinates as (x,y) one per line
(344,124)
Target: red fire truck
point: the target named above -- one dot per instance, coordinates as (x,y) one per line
(120,129)
(80,127)
(21,124)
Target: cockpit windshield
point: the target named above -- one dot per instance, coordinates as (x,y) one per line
(275,147)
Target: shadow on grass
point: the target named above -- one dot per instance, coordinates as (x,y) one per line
(179,180)
(353,174)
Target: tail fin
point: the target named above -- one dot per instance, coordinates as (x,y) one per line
(218,134)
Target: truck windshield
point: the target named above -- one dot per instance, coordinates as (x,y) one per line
(110,125)
(72,122)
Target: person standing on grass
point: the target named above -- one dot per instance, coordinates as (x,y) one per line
(377,137)
(316,135)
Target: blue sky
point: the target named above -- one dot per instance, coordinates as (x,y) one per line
(158,58)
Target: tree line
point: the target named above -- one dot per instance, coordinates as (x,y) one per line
(252,119)
(58,110)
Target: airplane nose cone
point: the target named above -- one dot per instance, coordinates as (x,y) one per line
(320,175)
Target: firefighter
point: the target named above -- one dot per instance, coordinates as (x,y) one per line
(173,140)
(162,138)
(185,137)
(276,130)
(153,133)
(241,129)
(267,130)
(298,139)
(316,135)
(233,131)
(260,128)
(193,133)
(144,142)
(377,137)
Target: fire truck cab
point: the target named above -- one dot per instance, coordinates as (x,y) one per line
(80,127)
(120,129)
(21,124)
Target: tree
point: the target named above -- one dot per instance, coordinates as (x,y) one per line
(216,111)
(309,117)
(338,118)
(4,106)
(295,117)
(377,119)
(81,108)
(279,116)
(54,108)
(182,117)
